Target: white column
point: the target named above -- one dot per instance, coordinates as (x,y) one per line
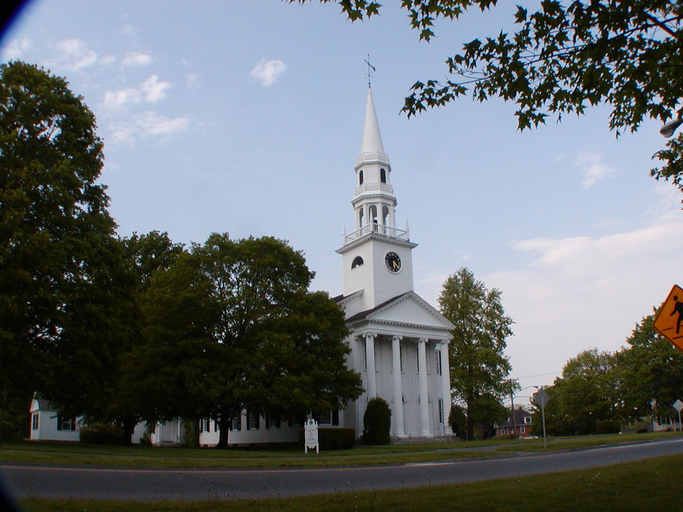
(446,387)
(399,431)
(424,394)
(370,354)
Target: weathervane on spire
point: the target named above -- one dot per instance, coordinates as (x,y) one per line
(371,68)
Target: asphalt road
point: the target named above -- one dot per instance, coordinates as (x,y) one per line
(25,480)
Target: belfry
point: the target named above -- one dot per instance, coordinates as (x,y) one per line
(399,343)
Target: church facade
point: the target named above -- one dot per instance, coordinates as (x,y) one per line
(398,342)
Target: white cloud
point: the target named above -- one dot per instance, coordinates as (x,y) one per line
(74,54)
(593,169)
(16,49)
(148,124)
(586,292)
(108,59)
(192,81)
(150,91)
(267,72)
(154,90)
(137,59)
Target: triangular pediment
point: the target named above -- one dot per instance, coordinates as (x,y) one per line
(408,309)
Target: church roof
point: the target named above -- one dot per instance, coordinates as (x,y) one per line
(372,139)
(421,313)
(364,314)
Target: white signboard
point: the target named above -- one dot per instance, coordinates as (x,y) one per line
(311,436)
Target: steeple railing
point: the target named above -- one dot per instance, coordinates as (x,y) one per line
(372,156)
(373,187)
(378,229)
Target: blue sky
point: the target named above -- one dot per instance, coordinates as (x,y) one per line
(246,118)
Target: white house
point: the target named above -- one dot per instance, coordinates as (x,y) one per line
(399,343)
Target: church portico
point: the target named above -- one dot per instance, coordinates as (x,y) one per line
(409,364)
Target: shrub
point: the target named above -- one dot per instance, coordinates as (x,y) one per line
(102,433)
(191,434)
(377,422)
(457,419)
(608,427)
(333,438)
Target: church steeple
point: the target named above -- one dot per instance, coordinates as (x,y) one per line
(372,139)
(374,199)
(377,255)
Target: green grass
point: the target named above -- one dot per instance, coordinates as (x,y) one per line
(145,456)
(652,485)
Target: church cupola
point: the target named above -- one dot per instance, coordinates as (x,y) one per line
(374,199)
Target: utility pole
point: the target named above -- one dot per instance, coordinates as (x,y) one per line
(512,412)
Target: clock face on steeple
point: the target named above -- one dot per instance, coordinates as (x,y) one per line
(392,261)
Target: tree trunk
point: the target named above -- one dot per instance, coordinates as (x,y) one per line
(128,429)
(223,425)
(470,416)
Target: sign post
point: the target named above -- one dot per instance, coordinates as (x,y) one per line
(669,318)
(541,398)
(678,405)
(311,436)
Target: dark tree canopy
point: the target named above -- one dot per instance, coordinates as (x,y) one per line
(563,58)
(63,278)
(650,373)
(231,326)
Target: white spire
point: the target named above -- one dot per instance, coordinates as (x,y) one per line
(372,140)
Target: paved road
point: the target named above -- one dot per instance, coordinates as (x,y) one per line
(200,484)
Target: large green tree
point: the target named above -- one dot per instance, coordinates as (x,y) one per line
(479,368)
(650,373)
(64,283)
(562,58)
(586,393)
(232,326)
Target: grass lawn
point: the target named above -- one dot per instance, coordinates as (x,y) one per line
(145,456)
(652,485)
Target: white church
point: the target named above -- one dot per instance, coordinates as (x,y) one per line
(399,343)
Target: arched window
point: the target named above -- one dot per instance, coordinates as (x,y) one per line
(360,177)
(383,175)
(357,262)
(385,215)
(360,218)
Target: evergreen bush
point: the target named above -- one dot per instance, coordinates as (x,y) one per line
(332,438)
(377,422)
(102,433)
(608,427)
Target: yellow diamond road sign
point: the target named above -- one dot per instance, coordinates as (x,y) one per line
(669,319)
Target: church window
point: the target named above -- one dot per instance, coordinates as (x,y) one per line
(400,356)
(360,177)
(440,410)
(385,215)
(365,355)
(252,421)
(325,418)
(360,218)
(373,213)
(383,175)
(34,421)
(417,358)
(236,423)
(357,262)
(439,369)
(66,423)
